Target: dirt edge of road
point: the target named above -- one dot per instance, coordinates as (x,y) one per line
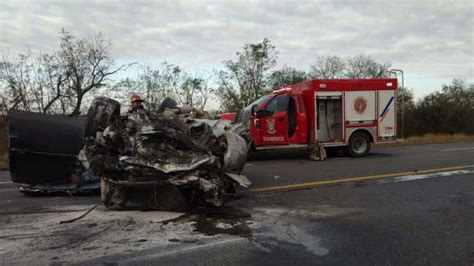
(431,139)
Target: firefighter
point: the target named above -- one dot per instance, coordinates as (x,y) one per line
(136,102)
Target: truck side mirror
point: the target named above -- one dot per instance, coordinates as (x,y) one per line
(254,109)
(263,113)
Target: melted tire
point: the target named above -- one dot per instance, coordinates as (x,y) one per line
(101,112)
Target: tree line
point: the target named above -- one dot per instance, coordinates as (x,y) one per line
(64,82)
(57,82)
(448,111)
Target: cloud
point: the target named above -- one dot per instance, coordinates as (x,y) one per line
(425,38)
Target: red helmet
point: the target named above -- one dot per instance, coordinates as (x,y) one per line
(136,98)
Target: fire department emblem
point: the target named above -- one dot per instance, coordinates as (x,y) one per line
(360,104)
(271,126)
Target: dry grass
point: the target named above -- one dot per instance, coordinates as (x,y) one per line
(433,139)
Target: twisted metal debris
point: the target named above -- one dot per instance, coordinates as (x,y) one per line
(171,160)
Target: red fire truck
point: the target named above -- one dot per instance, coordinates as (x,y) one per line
(348,113)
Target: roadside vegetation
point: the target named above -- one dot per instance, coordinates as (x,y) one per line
(448,111)
(432,139)
(66,79)
(438,138)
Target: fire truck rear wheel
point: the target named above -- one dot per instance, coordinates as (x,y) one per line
(359,145)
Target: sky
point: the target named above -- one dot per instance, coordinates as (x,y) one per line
(431,41)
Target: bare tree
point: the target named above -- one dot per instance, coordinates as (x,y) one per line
(228,94)
(50,83)
(152,84)
(158,83)
(167,80)
(58,82)
(31,84)
(246,78)
(89,63)
(459,92)
(123,89)
(194,92)
(286,76)
(328,67)
(15,79)
(362,66)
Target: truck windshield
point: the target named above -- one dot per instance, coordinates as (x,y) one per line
(259,101)
(244,114)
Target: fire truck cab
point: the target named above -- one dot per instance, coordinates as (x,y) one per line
(349,113)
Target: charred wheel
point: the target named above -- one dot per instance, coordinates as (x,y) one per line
(100,114)
(359,145)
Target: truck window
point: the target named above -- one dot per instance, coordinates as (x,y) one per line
(279,103)
(260,100)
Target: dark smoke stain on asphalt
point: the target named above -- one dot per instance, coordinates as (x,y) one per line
(214,226)
(223,220)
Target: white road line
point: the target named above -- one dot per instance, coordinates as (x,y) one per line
(458,149)
(424,176)
(1,183)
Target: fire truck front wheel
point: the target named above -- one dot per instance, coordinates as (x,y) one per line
(359,145)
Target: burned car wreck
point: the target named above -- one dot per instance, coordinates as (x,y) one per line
(166,160)
(173,159)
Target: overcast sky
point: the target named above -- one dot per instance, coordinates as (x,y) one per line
(432,41)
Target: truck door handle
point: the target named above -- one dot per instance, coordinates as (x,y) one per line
(281,119)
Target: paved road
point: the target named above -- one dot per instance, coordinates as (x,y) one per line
(279,167)
(414,219)
(424,222)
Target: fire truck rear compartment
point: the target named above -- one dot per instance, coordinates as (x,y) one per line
(329,119)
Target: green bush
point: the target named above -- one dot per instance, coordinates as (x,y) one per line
(449,111)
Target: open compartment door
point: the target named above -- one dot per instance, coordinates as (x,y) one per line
(329,117)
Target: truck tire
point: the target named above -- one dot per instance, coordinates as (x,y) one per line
(359,145)
(99,115)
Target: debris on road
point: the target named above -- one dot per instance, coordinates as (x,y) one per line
(170,160)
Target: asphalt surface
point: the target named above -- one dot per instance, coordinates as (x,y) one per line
(292,166)
(408,219)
